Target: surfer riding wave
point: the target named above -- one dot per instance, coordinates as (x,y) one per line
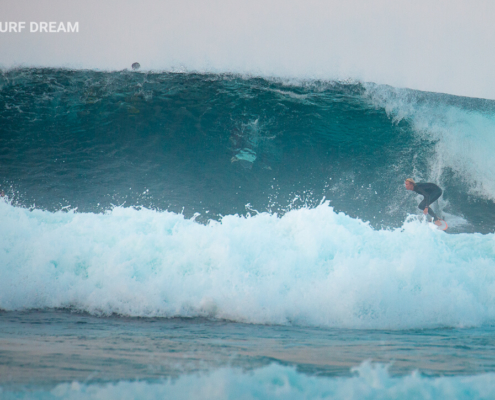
(431,193)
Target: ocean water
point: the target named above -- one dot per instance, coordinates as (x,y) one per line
(189,235)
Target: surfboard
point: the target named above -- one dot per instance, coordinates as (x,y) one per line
(443,226)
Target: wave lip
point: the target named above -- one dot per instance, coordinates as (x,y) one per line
(461,130)
(310,267)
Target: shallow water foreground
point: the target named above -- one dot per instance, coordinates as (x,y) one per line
(60,354)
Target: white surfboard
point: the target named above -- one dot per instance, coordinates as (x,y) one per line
(442,226)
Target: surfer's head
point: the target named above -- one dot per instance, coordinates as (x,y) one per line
(410,184)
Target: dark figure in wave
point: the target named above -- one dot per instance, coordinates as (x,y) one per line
(431,193)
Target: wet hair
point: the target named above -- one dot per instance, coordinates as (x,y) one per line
(410,180)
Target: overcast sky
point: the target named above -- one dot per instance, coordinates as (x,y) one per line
(442,46)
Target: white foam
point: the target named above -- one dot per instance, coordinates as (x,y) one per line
(309,267)
(279,382)
(420,45)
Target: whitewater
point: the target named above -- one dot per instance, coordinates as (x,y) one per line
(311,267)
(277,382)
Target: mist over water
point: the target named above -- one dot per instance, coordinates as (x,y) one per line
(444,48)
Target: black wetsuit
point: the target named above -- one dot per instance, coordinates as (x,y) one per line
(431,192)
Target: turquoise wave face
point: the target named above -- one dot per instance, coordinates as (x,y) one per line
(220,144)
